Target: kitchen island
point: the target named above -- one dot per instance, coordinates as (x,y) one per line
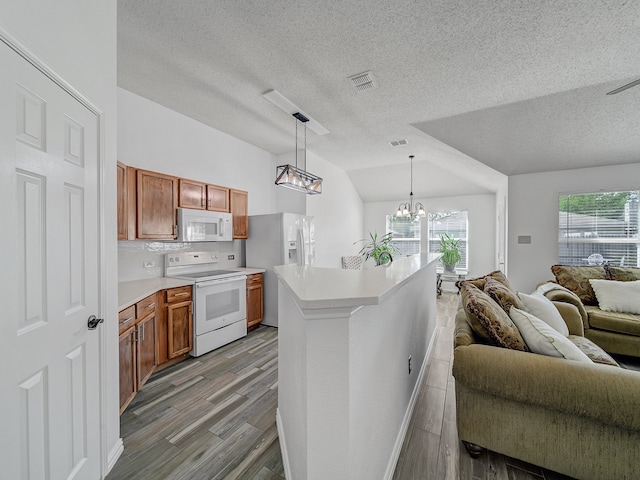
(353,346)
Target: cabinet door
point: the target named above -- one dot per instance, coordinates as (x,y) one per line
(254,301)
(192,194)
(217,198)
(123,220)
(128,381)
(156,205)
(146,354)
(180,328)
(239,202)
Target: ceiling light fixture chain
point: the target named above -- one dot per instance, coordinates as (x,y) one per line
(408,209)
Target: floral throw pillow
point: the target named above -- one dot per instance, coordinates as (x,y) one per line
(480,281)
(483,313)
(504,296)
(576,279)
(622,274)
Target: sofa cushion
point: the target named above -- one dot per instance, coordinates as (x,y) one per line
(593,351)
(622,274)
(543,308)
(480,281)
(488,320)
(502,295)
(613,296)
(627,323)
(576,279)
(543,339)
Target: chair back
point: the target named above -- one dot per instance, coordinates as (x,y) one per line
(353,262)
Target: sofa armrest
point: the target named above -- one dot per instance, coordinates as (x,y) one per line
(571,316)
(605,393)
(568,297)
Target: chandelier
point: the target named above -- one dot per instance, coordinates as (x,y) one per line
(296,178)
(408,209)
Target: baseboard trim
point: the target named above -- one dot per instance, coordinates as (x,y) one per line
(283,446)
(114,455)
(404,427)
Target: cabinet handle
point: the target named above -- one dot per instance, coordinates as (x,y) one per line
(142,332)
(181,294)
(126,320)
(202,202)
(151,305)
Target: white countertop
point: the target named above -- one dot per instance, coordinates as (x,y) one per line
(315,287)
(135,290)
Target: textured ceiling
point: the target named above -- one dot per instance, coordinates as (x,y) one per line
(476,88)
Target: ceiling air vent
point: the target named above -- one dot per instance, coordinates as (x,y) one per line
(363,81)
(398,143)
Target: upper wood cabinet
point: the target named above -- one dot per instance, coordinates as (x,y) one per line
(157,200)
(126,202)
(239,204)
(202,196)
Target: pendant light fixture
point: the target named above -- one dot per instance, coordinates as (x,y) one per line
(408,209)
(296,178)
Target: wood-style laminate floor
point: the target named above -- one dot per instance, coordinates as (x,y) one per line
(213,417)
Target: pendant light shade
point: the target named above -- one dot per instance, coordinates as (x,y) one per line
(295,178)
(408,209)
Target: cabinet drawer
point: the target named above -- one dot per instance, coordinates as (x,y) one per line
(146,306)
(126,318)
(179,294)
(254,278)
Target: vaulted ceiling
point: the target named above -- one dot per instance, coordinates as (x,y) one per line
(479,89)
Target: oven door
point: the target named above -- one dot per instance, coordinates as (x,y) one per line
(219,303)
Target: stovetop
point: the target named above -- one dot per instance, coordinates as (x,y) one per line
(196,266)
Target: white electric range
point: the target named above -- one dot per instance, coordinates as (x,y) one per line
(219,299)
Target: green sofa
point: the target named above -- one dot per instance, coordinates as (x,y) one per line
(574,418)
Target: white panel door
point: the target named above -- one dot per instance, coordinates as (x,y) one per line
(49,378)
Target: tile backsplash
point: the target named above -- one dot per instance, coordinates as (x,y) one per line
(141,259)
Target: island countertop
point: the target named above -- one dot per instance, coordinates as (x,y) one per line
(317,287)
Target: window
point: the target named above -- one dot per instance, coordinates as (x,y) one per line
(405,233)
(598,227)
(453,223)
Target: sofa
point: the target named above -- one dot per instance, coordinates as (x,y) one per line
(615,332)
(576,418)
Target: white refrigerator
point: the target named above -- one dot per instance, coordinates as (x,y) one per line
(278,239)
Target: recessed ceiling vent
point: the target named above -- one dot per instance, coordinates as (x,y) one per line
(397,143)
(363,82)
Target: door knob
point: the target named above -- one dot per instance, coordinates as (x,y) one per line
(93,322)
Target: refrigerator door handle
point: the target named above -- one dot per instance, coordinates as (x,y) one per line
(302,260)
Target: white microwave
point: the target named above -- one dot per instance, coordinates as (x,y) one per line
(204,226)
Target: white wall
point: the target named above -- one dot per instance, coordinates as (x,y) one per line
(533,210)
(338,213)
(78,41)
(482,224)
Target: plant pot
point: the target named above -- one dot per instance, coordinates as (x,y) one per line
(449,267)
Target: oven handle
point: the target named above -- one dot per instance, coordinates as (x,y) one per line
(209,283)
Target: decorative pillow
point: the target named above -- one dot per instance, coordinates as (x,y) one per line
(622,274)
(543,339)
(502,295)
(576,279)
(621,297)
(480,281)
(593,351)
(483,313)
(540,306)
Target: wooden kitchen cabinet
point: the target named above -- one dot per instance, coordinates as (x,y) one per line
(137,328)
(175,327)
(126,201)
(255,306)
(239,204)
(202,196)
(156,203)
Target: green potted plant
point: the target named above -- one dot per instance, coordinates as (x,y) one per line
(450,249)
(378,248)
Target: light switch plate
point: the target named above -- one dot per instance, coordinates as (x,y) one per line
(526,239)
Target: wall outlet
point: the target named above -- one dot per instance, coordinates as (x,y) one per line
(409,364)
(524,239)
(231,257)
(149,264)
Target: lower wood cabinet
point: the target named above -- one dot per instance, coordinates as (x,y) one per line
(255,307)
(137,327)
(175,328)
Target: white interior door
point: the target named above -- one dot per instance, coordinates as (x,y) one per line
(49,379)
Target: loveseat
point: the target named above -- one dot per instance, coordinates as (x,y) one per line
(580,419)
(615,332)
